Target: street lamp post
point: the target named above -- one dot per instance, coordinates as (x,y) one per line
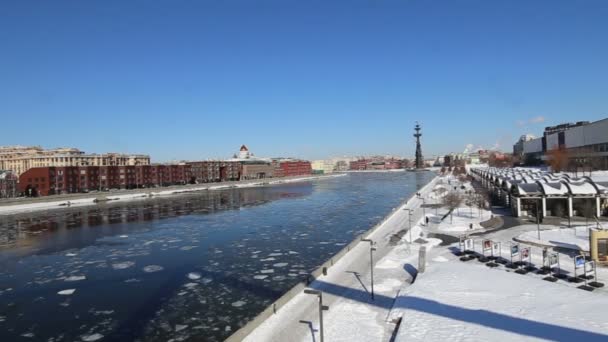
(409,220)
(371,261)
(321,308)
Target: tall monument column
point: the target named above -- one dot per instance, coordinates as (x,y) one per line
(419,159)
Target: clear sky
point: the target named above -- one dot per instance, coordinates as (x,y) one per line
(310,79)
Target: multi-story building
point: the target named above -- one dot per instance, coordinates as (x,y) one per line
(256,169)
(215,171)
(21,158)
(584,143)
(8,184)
(377,163)
(360,164)
(286,167)
(251,167)
(43,181)
(518,147)
(323,166)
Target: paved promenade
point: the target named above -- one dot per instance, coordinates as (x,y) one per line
(347,289)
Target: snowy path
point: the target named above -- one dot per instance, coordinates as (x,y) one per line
(456,301)
(346,291)
(452,300)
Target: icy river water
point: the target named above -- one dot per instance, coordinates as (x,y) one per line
(190,267)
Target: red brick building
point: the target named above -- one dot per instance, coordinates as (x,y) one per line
(215,171)
(377,163)
(360,164)
(43,181)
(291,167)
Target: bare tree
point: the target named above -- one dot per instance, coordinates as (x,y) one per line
(452,201)
(483,197)
(558,159)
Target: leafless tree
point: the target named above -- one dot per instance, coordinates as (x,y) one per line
(452,201)
(484,198)
(559,159)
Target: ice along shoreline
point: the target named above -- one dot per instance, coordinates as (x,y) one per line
(80,200)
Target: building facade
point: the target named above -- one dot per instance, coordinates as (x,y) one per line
(291,167)
(324,166)
(584,143)
(8,184)
(377,163)
(21,158)
(44,181)
(215,171)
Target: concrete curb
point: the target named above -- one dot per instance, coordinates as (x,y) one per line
(244,331)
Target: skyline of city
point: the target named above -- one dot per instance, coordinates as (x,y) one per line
(308,80)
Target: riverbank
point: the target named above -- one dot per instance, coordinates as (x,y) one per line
(14,206)
(282,320)
(441,300)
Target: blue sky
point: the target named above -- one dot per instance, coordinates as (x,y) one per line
(311,79)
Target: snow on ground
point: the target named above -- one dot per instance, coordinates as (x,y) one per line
(455,301)
(460,220)
(451,300)
(576,238)
(352,316)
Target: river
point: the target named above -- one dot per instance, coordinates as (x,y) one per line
(186,267)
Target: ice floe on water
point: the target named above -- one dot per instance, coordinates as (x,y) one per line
(123,265)
(152,268)
(75,278)
(92,337)
(239,303)
(66,292)
(194,276)
(272,252)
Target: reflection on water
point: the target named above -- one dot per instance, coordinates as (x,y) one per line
(190,267)
(50,231)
